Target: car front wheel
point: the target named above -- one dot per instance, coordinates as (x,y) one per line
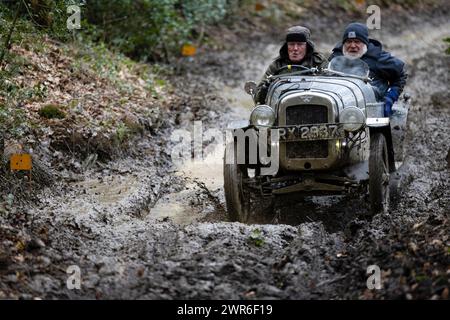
(236,194)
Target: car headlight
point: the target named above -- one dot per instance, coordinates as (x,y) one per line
(352,118)
(262,115)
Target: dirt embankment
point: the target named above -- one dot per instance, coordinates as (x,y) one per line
(142,228)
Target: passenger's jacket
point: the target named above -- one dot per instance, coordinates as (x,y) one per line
(311,59)
(386,70)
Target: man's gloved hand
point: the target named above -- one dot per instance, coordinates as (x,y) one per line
(389,99)
(261,90)
(266,83)
(388,106)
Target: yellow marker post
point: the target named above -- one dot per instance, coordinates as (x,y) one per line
(188,50)
(21,162)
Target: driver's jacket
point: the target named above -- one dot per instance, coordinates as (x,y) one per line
(386,70)
(312,59)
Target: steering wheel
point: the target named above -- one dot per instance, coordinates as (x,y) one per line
(275,76)
(290,66)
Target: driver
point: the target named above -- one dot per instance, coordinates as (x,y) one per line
(388,73)
(298,49)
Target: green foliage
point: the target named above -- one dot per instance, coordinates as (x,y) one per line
(122,132)
(51,111)
(447,40)
(12,121)
(421,278)
(92,57)
(257,238)
(47,16)
(11,93)
(98,59)
(153,29)
(204,12)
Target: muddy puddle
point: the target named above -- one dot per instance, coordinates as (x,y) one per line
(201,194)
(111,189)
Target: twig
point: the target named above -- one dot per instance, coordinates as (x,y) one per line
(200,37)
(114,20)
(31,15)
(330,281)
(2,145)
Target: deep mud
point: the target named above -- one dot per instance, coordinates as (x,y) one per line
(142,228)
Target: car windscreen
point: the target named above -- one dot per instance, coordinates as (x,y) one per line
(346,65)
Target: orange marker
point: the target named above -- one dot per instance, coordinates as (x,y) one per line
(188,50)
(20,162)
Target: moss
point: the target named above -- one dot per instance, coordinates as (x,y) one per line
(447,40)
(52,111)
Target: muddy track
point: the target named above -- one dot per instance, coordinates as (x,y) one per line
(139,230)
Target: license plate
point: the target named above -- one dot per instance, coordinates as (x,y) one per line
(312,132)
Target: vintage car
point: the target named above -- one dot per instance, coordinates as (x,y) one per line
(320,132)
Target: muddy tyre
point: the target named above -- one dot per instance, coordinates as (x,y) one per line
(236,194)
(378,174)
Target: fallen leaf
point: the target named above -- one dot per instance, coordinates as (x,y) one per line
(259,7)
(20,245)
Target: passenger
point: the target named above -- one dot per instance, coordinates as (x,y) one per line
(388,72)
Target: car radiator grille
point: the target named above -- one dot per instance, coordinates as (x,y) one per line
(307,114)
